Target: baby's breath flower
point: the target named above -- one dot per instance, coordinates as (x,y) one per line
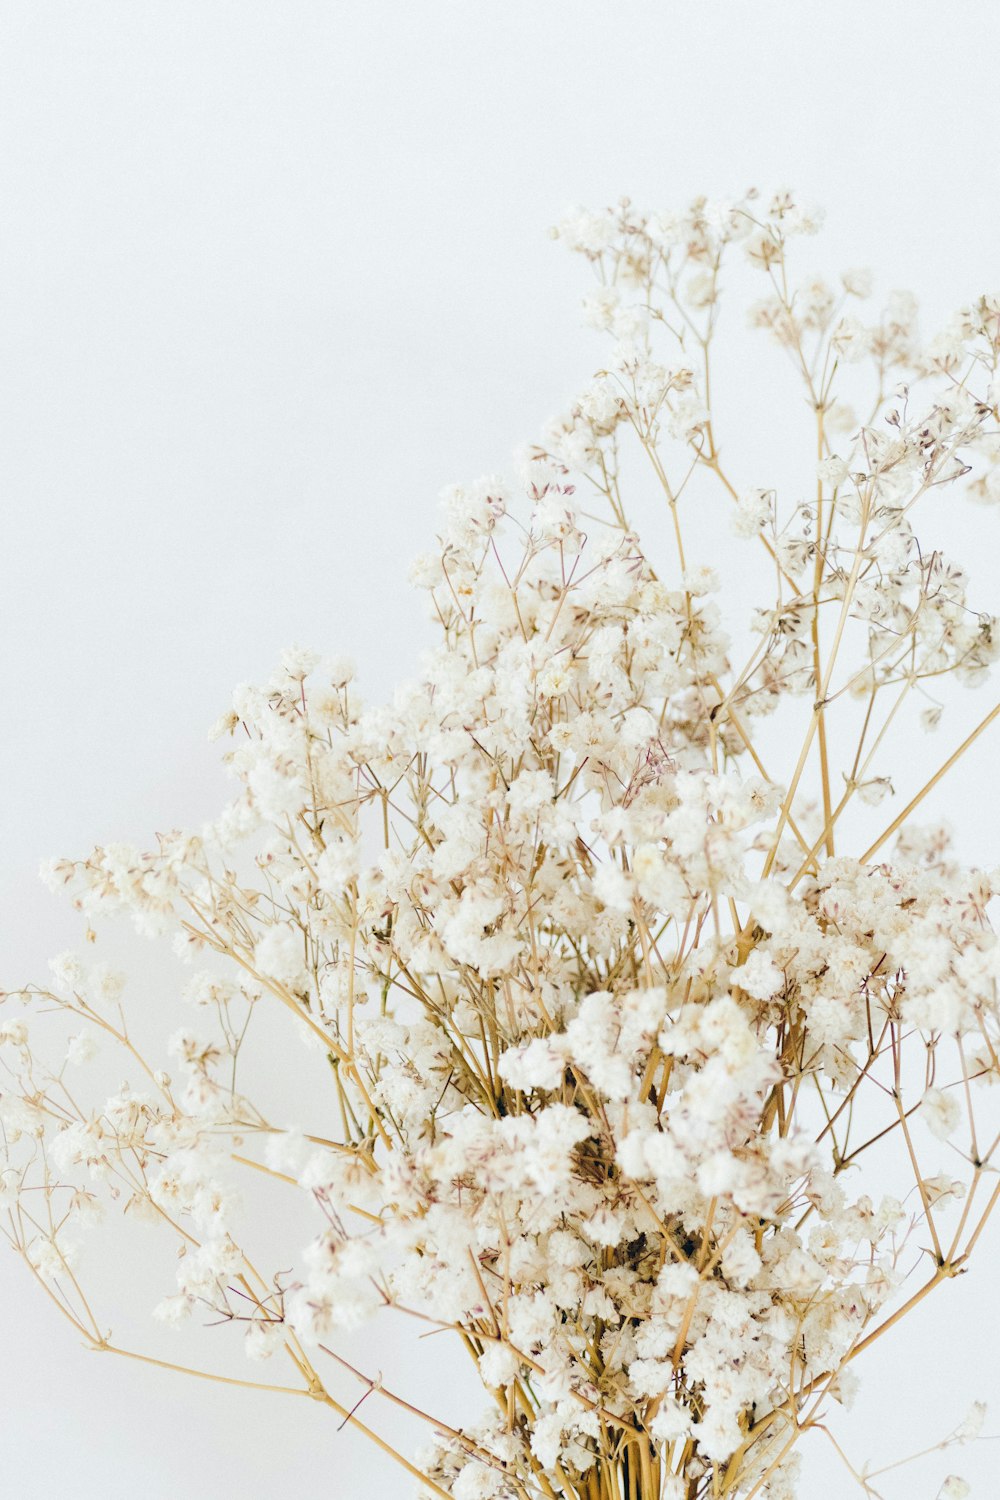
(972,1423)
(942,1112)
(604,989)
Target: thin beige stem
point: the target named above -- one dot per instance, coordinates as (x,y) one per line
(929,786)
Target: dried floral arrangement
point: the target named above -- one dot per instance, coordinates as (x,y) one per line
(616,1028)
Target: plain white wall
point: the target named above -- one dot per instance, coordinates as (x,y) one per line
(272,274)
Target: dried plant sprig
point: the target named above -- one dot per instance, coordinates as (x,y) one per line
(603,1004)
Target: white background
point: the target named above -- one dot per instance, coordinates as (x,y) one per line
(271,275)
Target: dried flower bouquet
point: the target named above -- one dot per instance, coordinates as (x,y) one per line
(620,1038)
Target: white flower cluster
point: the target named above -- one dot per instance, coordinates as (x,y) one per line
(602,1027)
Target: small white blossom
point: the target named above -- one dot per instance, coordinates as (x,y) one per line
(941,1112)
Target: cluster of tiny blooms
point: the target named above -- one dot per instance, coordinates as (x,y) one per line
(609,1020)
